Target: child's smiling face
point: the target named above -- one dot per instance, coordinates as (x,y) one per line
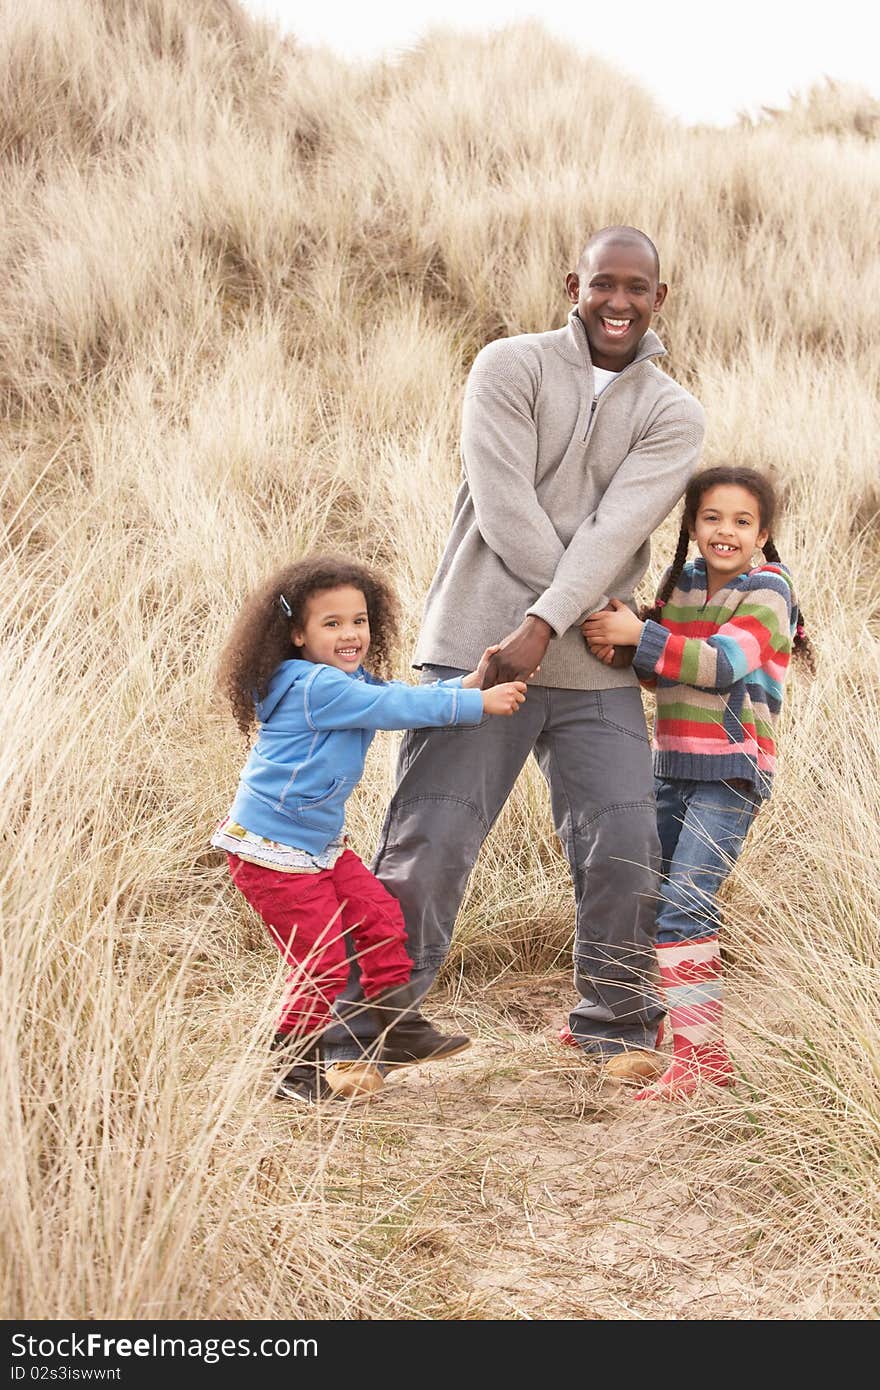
(727,529)
(335,629)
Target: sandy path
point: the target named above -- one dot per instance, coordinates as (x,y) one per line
(520,1189)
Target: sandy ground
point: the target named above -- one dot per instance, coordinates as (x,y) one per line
(513,1186)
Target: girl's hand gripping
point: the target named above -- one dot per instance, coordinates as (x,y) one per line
(504,699)
(613,633)
(474,679)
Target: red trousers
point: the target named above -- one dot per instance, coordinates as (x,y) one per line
(308,916)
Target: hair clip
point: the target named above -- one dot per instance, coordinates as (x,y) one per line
(799,630)
(660,603)
(285,606)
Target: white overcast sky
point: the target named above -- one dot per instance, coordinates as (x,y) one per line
(704,60)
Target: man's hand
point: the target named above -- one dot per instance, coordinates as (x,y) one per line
(520,653)
(615,656)
(606,654)
(614,626)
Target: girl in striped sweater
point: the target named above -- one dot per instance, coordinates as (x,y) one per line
(715,647)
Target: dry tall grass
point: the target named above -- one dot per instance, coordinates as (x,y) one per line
(243,285)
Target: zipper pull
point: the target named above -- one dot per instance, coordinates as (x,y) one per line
(590,420)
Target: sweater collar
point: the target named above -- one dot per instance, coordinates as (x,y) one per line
(578,347)
(699,568)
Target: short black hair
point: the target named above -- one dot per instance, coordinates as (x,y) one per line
(630,235)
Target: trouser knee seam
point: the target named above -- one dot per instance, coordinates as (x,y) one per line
(614,811)
(441,796)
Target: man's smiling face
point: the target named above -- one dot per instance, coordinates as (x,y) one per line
(617,292)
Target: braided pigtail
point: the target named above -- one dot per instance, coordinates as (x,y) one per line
(655,611)
(801,647)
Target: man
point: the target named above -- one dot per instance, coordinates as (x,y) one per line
(575,446)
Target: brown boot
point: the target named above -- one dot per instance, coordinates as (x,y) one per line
(410,1037)
(354,1080)
(634,1066)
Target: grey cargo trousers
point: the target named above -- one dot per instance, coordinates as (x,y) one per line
(592,747)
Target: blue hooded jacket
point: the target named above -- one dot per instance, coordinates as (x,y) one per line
(316,725)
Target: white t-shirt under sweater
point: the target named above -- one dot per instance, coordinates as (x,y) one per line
(601,379)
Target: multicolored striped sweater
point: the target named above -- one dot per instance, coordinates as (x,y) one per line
(718,666)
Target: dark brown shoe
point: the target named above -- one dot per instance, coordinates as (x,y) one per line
(409,1036)
(305,1082)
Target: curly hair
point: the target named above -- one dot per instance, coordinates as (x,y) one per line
(260,638)
(761,488)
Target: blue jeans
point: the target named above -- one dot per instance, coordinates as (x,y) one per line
(702,828)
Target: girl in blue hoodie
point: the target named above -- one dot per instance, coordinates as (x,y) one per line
(294,665)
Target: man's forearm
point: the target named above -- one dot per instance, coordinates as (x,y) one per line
(642,493)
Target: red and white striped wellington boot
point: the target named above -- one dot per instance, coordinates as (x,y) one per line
(690,977)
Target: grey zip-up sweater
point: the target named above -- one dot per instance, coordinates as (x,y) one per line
(560,495)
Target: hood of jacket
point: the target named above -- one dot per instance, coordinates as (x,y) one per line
(282,680)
